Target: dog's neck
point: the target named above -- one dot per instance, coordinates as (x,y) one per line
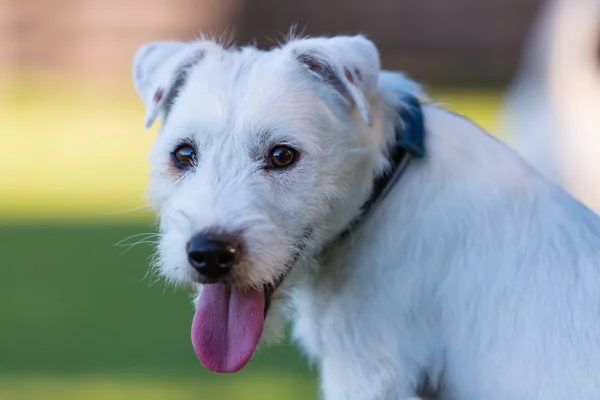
(408,143)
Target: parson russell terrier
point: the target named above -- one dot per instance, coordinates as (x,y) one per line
(415,254)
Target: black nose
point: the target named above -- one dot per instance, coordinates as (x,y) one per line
(213,256)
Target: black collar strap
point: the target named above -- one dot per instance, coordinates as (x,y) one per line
(410,143)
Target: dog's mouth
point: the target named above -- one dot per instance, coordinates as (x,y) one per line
(228,323)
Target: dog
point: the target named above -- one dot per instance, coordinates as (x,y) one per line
(415,254)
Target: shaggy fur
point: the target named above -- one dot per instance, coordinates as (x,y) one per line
(475,278)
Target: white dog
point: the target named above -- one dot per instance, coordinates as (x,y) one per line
(469,277)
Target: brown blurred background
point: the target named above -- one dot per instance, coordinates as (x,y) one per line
(449,42)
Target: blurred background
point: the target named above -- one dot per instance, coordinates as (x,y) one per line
(80,317)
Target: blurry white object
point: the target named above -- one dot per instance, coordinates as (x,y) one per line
(552,112)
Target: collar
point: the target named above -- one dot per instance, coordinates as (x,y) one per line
(409,144)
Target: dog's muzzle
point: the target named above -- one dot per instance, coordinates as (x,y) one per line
(213,257)
(229,318)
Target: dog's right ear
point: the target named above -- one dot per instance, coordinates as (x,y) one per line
(349,64)
(159,69)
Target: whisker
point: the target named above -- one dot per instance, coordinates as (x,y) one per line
(147,234)
(126,211)
(131,246)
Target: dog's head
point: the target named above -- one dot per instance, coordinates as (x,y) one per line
(262,157)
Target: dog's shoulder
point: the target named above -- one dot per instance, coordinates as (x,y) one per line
(482,167)
(460,150)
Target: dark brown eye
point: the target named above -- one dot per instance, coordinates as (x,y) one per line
(184,156)
(282,156)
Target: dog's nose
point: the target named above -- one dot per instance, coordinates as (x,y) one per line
(213,256)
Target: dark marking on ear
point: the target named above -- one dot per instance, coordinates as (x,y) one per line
(180,78)
(324,71)
(158,95)
(173,93)
(358,74)
(348,75)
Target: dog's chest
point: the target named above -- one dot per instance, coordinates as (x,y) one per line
(312,310)
(319,304)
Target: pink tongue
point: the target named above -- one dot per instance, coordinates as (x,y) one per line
(227,326)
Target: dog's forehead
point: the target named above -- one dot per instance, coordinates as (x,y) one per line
(250,88)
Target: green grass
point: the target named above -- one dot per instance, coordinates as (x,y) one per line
(271,385)
(81,320)
(78,318)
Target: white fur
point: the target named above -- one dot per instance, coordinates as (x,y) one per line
(474,272)
(551,113)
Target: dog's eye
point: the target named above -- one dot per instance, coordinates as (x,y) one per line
(184,156)
(282,156)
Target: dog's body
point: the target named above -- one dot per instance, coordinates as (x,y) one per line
(474,278)
(475,275)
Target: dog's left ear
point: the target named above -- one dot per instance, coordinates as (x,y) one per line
(350,64)
(159,69)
